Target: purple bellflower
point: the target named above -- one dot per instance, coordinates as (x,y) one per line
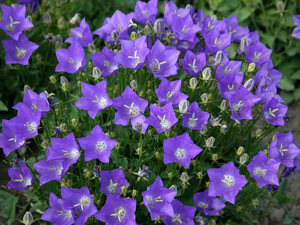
(162,60)
(207,25)
(169,92)
(138,124)
(274,112)
(180,149)
(158,199)
(266,93)
(81,34)
(133,53)
(129,105)
(94,98)
(194,118)
(117,211)
(257,53)
(209,206)
(237,32)
(296,31)
(288,172)
(97,145)
(169,12)
(18,51)
(227,67)
(283,149)
(271,75)
(70,60)
(105,62)
(241,103)
(58,213)
(144,12)
(192,63)
(14,21)
(225,181)
(81,200)
(182,214)
(264,170)
(20,178)
(215,41)
(162,119)
(112,181)
(230,84)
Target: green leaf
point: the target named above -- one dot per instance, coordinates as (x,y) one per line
(296,94)
(296,75)
(287,97)
(287,84)
(285,200)
(288,219)
(243,13)
(3,107)
(8,204)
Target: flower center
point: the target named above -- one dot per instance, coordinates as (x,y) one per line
(192,122)
(101,145)
(101,102)
(282,150)
(120,213)
(31,126)
(271,113)
(133,110)
(111,188)
(237,107)
(67,213)
(259,172)
(151,200)
(229,180)
(20,53)
(165,124)
(194,68)
(10,26)
(180,153)
(177,219)
(84,201)
(203,205)
(155,66)
(77,65)
(72,154)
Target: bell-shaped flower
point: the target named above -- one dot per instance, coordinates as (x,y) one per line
(274,112)
(20,178)
(195,118)
(112,181)
(144,12)
(193,63)
(81,34)
(257,53)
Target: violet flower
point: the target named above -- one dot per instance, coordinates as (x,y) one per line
(215,41)
(162,60)
(230,67)
(158,199)
(94,98)
(283,149)
(237,32)
(274,112)
(193,63)
(209,206)
(14,21)
(264,170)
(169,12)
(266,93)
(296,31)
(70,60)
(97,145)
(105,62)
(133,53)
(230,84)
(180,149)
(144,12)
(58,213)
(18,51)
(241,103)
(225,181)
(81,34)
(195,118)
(138,124)
(20,178)
(257,53)
(288,172)
(111,182)
(162,119)
(129,105)
(182,214)
(81,200)
(169,92)
(117,211)
(269,73)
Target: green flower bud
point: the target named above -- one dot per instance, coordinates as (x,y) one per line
(251,67)
(204,98)
(214,157)
(28,218)
(193,83)
(183,106)
(206,74)
(223,105)
(240,150)
(258,132)
(97,73)
(61,23)
(46,18)
(170,175)
(210,142)
(134,85)
(244,158)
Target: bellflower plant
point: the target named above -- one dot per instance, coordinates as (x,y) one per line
(165,115)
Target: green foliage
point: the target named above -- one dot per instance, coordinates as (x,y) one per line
(8,204)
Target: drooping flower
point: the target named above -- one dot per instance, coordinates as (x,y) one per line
(241,103)
(105,62)
(70,60)
(182,214)
(225,181)
(257,53)
(129,105)
(14,21)
(209,206)
(49,170)
(37,102)
(133,53)
(20,178)
(162,119)
(158,199)
(283,149)
(169,92)
(81,200)
(112,181)
(296,31)
(58,213)
(193,63)
(18,51)
(180,149)
(288,171)
(97,145)
(264,170)
(117,211)
(162,60)
(144,12)
(94,98)
(274,112)
(81,34)
(195,118)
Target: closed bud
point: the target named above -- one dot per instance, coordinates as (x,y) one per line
(265,151)
(30,20)
(52,79)
(158,25)
(63,127)
(203,131)
(157,155)
(244,42)
(134,193)
(92,48)
(204,98)
(258,132)
(87,173)
(280,7)
(118,145)
(58,41)
(134,84)
(28,218)
(149,92)
(75,122)
(207,184)
(210,142)
(61,23)
(219,57)
(206,73)
(147,30)
(115,35)
(213,18)
(214,157)
(251,67)
(200,175)
(239,208)
(97,73)
(244,158)
(50,38)
(223,128)
(183,106)
(240,150)
(75,19)
(79,84)
(193,83)
(173,187)
(38,58)
(45,144)
(64,83)
(46,18)
(149,83)
(223,105)
(212,222)
(170,175)
(141,94)
(133,36)
(249,84)
(26,87)
(184,177)
(255,202)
